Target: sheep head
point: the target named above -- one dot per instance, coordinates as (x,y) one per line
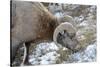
(65,34)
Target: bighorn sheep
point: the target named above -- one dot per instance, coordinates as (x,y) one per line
(31,21)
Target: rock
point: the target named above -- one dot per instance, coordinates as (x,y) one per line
(88,55)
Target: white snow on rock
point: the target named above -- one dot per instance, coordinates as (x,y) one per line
(88,55)
(90,52)
(50,57)
(58,14)
(45,53)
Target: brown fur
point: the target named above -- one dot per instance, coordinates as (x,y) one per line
(30,22)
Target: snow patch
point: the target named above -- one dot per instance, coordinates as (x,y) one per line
(88,55)
(45,53)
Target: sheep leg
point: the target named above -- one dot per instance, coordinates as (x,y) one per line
(27,44)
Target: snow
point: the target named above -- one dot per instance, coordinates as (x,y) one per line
(58,14)
(83,24)
(45,54)
(88,55)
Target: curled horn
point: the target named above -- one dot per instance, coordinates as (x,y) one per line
(63,26)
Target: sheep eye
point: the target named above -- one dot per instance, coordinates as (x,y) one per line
(62,33)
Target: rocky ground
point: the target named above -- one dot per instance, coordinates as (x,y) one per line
(85,21)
